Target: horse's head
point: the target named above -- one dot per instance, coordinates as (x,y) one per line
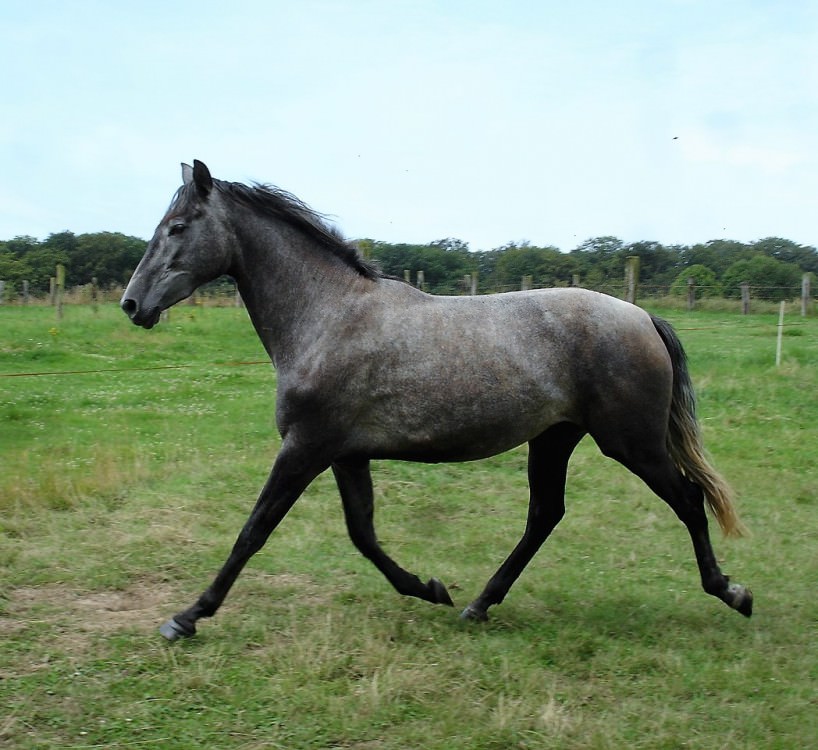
(189,248)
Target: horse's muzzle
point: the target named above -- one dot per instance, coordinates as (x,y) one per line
(145,318)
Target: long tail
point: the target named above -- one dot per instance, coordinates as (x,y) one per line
(684,441)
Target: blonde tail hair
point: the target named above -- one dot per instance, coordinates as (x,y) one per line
(684,441)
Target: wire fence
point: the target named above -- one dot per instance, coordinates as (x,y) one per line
(657,297)
(223,293)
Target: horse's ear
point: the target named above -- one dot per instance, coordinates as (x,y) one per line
(187,174)
(202,178)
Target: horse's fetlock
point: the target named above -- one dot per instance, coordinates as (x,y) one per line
(716,586)
(439,593)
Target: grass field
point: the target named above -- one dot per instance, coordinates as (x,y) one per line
(124,484)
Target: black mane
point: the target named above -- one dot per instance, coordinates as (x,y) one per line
(271,201)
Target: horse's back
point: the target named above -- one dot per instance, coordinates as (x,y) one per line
(546,327)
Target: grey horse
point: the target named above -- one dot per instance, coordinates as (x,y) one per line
(371,368)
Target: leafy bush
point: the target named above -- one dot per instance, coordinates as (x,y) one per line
(706,283)
(769,279)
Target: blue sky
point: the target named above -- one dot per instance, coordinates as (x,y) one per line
(679,121)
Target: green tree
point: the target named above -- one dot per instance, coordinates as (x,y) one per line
(451,245)
(546,265)
(717,255)
(486,266)
(20,245)
(444,263)
(803,256)
(64,243)
(658,265)
(769,279)
(447,262)
(706,283)
(13,269)
(599,260)
(109,257)
(43,260)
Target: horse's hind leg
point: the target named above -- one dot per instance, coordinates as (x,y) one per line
(355,484)
(547,467)
(652,464)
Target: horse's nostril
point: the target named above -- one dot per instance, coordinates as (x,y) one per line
(129,306)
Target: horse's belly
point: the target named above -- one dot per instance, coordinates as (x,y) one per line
(456,431)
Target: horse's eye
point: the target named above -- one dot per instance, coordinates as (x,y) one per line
(176,228)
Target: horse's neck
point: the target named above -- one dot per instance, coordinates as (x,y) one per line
(289,286)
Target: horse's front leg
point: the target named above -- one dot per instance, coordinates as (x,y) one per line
(355,484)
(291,474)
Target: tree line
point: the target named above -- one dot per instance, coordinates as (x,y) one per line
(108,257)
(772,266)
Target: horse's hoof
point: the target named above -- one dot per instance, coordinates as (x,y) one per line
(173,630)
(439,592)
(474,614)
(741,599)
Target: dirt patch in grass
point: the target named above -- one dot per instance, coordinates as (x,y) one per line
(64,620)
(95,611)
(72,619)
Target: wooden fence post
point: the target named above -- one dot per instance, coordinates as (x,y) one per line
(575,280)
(25,292)
(421,280)
(474,282)
(745,297)
(407,275)
(59,288)
(94,293)
(525,283)
(631,278)
(805,291)
(691,293)
(2,291)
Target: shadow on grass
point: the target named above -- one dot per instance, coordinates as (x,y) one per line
(615,615)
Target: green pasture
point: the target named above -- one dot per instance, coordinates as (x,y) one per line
(126,474)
